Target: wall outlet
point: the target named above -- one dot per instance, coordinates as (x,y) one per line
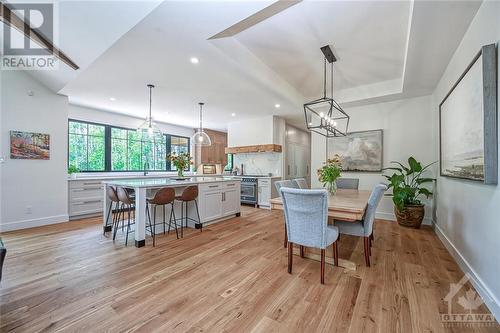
(28,210)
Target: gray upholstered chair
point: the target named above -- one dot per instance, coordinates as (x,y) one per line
(279,185)
(348,183)
(306,218)
(301,183)
(364,228)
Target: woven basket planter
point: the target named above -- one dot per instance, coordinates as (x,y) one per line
(411,217)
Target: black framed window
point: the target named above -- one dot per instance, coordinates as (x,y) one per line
(99,147)
(229,165)
(177,144)
(86,146)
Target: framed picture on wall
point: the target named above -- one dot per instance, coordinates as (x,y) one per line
(30,146)
(468,122)
(360,151)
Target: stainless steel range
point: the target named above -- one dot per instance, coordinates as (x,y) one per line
(249,190)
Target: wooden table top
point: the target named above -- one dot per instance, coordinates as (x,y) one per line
(347,205)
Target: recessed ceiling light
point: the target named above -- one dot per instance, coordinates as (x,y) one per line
(233,114)
(277,106)
(194,60)
(112,99)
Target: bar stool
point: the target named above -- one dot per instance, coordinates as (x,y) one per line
(111,193)
(128,204)
(163,197)
(189,194)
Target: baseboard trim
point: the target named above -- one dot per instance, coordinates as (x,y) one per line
(488,297)
(17,225)
(392,217)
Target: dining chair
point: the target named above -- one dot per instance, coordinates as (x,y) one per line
(306,218)
(279,185)
(364,228)
(301,183)
(348,183)
(113,198)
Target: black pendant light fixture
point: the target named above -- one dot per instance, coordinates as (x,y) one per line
(324,115)
(148,127)
(201,138)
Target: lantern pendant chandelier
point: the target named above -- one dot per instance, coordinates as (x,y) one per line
(148,127)
(200,138)
(324,115)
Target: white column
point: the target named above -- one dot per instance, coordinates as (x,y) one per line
(106,202)
(140,216)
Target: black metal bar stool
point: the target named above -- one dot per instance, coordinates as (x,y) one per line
(113,197)
(162,198)
(188,195)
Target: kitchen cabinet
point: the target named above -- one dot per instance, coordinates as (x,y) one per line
(85,198)
(219,200)
(266,191)
(215,153)
(297,161)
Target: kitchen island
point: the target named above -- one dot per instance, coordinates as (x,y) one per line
(219,197)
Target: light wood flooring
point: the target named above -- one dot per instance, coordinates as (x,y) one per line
(231,277)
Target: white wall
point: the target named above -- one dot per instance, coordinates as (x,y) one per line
(36,185)
(256,131)
(408,127)
(467,214)
(116,119)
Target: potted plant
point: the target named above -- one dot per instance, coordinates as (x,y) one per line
(329,173)
(180,161)
(407,183)
(72,171)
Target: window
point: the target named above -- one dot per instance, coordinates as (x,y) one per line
(229,165)
(98,147)
(86,146)
(133,151)
(177,144)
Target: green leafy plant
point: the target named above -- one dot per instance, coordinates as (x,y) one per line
(180,161)
(72,169)
(407,183)
(329,172)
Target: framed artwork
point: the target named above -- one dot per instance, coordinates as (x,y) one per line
(468,122)
(31,146)
(360,151)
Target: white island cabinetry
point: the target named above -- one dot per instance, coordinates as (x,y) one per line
(219,200)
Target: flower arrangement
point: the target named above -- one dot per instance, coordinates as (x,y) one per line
(329,173)
(180,161)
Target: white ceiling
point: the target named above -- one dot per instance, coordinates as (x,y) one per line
(385,49)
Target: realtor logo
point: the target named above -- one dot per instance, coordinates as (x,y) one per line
(26,30)
(464,307)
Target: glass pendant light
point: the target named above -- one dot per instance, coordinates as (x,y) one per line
(148,128)
(200,138)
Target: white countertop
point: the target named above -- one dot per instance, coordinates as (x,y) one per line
(156,175)
(167,182)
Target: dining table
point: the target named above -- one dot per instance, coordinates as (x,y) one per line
(346,205)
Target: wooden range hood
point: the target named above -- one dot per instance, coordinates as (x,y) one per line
(271,148)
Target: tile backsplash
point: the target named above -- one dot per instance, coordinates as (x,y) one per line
(259,163)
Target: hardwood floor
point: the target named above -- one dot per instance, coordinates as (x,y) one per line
(231,277)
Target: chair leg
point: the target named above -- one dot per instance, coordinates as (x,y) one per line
(175,222)
(182,219)
(290,257)
(322,266)
(367,251)
(151,229)
(335,254)
(302,251)
(164,218)
(286,239)
(117,221)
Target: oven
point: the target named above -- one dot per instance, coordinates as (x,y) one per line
(249,190)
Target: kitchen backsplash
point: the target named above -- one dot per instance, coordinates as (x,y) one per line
(259,163)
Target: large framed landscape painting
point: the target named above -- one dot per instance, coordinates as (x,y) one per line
(360,151)
(468,122)
(31,146)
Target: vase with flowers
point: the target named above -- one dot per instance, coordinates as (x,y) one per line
(181,161)
(329,173)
